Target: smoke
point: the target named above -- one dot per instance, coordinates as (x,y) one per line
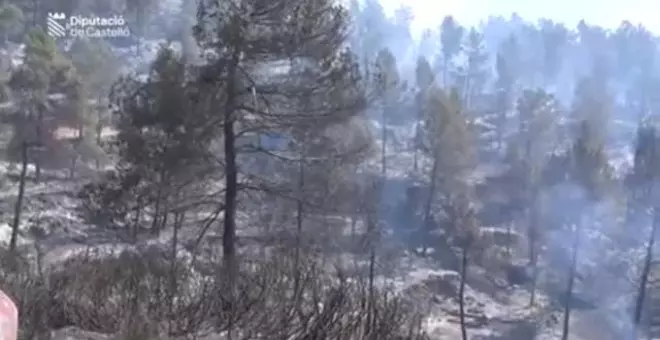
(612,242)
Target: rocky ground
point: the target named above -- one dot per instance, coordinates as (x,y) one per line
(495,308)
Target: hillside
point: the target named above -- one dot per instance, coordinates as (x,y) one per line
(306,171)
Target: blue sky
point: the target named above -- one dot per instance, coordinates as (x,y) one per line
(608,13)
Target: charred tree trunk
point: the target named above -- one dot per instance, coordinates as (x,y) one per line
(231,183)
(416,142)
(138,216)
(72,166)
(384,143)
(156,223)
(299,229)
(178,222)
(415,148)
(509,240)
(429,202)
(99,132)
(641,294)
(371,234)
(18,207)
(533,249)
(461,293)
(571,282)
(40,145)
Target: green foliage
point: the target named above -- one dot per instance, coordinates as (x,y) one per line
(530,149)
(96,65)
(449,136)
(645,174)
(39,65)
(141,11)
(451,36)
(507,63)
(555,38)
(389,85)
(589,162)
(49,93)
(156,119)
(370,30)
(388,81)
(11,16)
(475,74)
(424,74)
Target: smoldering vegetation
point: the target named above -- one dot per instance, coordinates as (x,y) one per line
(301,170)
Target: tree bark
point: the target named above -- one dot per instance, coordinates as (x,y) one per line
(429,202)
(571,282)
(533,248)
(18,207)
(178,222)
(371,233)
(299,228)
(231,183)
(40,145)
(641,294)
(384,143)
(155,224)
(461,293)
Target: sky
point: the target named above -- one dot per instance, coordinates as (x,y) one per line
(606,13)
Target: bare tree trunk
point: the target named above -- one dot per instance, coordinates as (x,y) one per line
(533,249)
(138,216)
(571,281)
(371,233)
(155,224)
(535,277)
(299,228)
(72,166)
(40,145)
(429,202)
(466,93)
(461,293)
(99,131)
(420,117)
(178,221)
(641,294)
(18,207)
(415,147)
(231,192)
(384,141)
(509,238)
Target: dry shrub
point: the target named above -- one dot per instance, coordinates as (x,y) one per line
(145,295)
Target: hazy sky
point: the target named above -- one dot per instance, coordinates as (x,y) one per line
(608,13)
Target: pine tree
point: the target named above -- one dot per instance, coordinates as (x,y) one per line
(474,74)
(451,37)
(31,85)
(389,91)
(450,144)
(161,141)
(506,84)
(589,168)
(97,67)
(555,37)
(11,17)
(424,79)
(140,11)
(535,139)
(308,33)
(642,185)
